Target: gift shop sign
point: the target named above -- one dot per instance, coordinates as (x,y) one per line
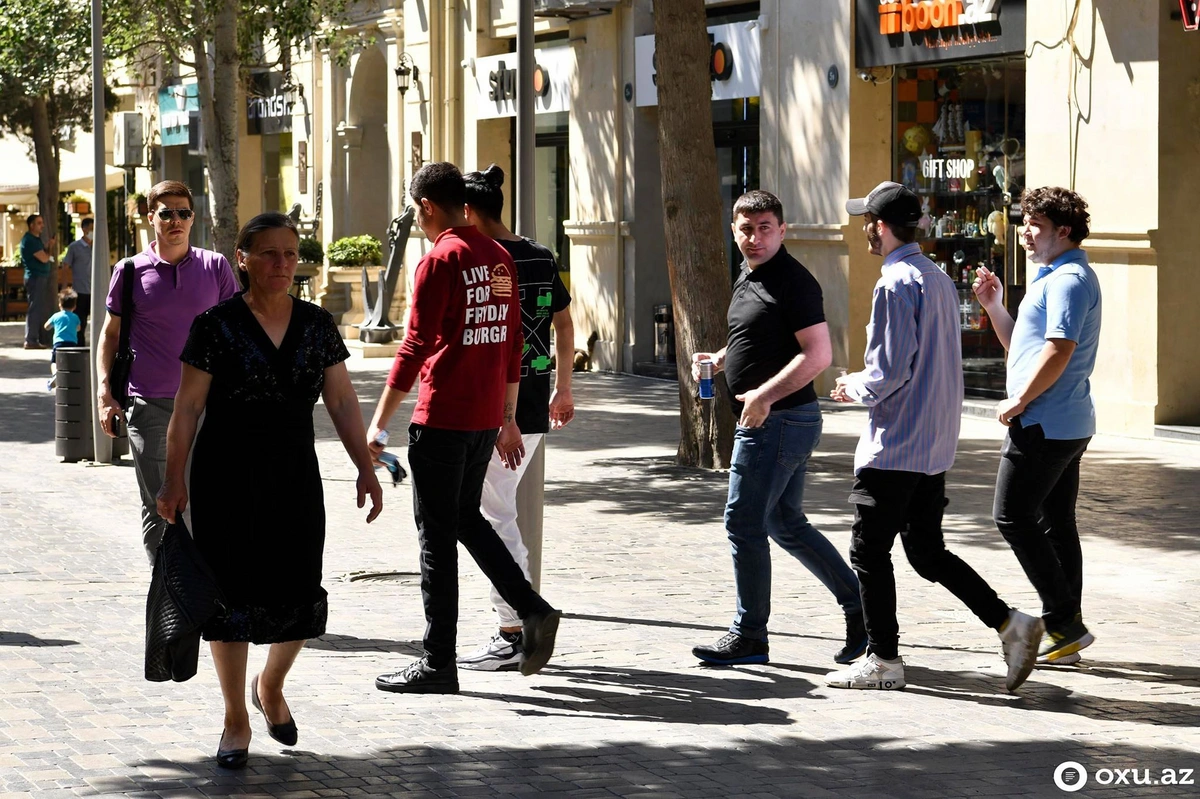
(947,168)
(733,63)
(922,31)
(497,83)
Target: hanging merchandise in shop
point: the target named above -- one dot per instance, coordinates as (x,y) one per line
(179,114)
(497,83)
(925,31)
(268,107)
(734,66)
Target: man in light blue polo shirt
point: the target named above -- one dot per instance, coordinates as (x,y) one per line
(912,384)
(1049,412)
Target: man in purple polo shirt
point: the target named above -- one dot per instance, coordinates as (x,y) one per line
(175,282)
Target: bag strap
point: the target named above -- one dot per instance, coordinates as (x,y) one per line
(126,304)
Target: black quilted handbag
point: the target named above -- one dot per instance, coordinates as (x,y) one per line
(183,596)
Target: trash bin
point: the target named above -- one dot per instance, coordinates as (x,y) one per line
(664,334)
(73,408)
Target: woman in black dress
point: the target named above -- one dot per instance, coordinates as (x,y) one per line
(257,364)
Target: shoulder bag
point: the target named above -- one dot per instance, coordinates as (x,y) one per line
(118,374)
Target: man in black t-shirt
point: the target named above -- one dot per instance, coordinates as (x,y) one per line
(544,304)
(778,342)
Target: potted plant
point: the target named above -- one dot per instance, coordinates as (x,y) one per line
(136,205)
(78,204)
(310,251)
(356,251)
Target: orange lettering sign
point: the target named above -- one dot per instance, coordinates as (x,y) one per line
(923,15)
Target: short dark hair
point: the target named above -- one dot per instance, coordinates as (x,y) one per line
(441,183)
(272,220)
(1061,206)
(903,233)
(67,299)
(758,202)
(29,220)
(169,188)
(87,223)
(483,191)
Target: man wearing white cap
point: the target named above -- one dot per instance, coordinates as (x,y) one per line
(912,384)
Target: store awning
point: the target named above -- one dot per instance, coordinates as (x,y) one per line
(19,173)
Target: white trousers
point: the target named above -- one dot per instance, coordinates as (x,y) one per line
(498,504)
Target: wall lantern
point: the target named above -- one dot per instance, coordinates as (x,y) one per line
(406,73)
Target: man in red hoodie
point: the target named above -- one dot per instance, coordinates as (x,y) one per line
(464,342)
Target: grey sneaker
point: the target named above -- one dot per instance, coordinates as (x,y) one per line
(1019,641)
(498,654)
(872,672)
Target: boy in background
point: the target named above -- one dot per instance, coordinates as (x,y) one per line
(66,327)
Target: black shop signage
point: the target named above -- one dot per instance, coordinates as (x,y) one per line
(931,31)
(267,107)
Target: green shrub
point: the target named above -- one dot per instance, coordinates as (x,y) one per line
(356,251)
(310,251)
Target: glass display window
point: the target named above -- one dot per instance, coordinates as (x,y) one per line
(960,145)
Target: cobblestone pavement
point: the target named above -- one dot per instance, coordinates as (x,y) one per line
(636,555)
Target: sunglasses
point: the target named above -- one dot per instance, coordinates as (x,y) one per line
(184,214)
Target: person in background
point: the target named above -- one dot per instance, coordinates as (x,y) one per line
(912,385)
(66,327)
(79,258)
(174,283)
(1049,412)
(544,304)
(38,259)
(256,364)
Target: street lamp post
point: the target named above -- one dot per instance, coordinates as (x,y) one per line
(100,272)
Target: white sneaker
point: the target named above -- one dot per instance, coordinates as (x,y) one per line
(1019,641)
(873,672)
(497,654)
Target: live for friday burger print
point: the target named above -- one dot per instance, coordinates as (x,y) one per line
(488,293)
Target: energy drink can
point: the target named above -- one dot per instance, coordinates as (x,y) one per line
(706,379)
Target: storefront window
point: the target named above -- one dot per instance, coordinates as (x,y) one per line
(550,179)
(960,145)
(735,130)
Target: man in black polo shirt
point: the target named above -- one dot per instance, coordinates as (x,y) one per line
(778,342)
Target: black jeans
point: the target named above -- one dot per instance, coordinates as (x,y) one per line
(909,503)
(448,468)
(1036,490)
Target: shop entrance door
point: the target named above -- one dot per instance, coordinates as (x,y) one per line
(735,130)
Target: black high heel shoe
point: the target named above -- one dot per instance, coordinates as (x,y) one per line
(231,758)
(284,733)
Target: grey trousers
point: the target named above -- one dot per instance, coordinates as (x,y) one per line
(37,294)
(147,422)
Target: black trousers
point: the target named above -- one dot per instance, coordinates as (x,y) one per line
(1036,489)
(887,503)
(448,469)
(83,308)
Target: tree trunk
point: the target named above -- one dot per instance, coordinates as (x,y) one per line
(45,151)
(692,220)
(218,90)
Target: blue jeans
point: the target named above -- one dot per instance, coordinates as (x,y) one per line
(766,489)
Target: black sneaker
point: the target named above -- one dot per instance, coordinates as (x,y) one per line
(538,632)
(419,678)
(1061,643)
(856,640)
(732,650)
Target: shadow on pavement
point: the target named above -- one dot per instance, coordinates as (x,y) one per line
(868,765)
(31,418)
(694,697)
(28,639)
(332,642)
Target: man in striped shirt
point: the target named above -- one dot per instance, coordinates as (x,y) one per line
(912,384)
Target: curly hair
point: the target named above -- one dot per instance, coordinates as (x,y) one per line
(1061,206)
